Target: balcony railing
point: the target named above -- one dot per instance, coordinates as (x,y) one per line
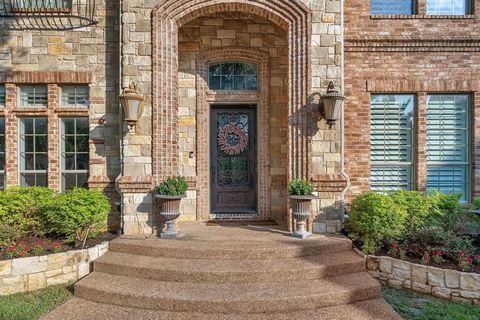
(48,14)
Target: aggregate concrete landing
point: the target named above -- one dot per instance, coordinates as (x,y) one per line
(234,272)
(78,309)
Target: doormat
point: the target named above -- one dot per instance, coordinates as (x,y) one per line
(234,223)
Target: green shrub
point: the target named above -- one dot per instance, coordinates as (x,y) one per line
(300,187)
(425,239)
(173,186)
(476,203)
(456,244)
(76,214)
(19,212)
(376,218)
(421,209)
(449,209)
(10,234)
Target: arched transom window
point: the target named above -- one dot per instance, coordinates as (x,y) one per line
(233,76)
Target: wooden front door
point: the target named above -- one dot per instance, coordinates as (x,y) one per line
(233,159)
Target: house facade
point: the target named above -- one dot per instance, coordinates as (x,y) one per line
(233,102)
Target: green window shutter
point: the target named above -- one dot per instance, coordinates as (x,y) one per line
(448,144)
(391,140)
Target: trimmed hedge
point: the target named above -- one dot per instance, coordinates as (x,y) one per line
(39,211)
(379,218)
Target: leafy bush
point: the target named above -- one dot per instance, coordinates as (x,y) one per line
(173,186)
(417,243)
(449,209)
(76,214)
(376,218)
(300,187)
(10,233)
(421,210)
(476,203)
(19,212)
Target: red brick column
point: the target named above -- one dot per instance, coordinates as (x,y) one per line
(421,7)
(475,173)
(421,142)
(11,136)
(53,138)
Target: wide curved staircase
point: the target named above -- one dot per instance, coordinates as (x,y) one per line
(228,273)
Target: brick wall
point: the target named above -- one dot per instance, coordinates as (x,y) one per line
(401,54)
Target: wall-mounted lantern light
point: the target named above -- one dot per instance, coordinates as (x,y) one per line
(332,103)
(132,103)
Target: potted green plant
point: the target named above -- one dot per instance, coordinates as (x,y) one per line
(170,193)
(300,195)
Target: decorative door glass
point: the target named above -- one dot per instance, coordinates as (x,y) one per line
(233,160)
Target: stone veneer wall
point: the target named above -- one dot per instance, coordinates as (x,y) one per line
(236,30)
(313,154)
(34,273)
(31,56)
(443,283)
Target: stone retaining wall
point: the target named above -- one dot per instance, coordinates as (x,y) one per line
(33,273)
(443,283)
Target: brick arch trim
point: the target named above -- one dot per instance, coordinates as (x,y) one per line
(169,15)
(261,60)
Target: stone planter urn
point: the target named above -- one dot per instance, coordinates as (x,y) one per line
(301,206)
(169,212)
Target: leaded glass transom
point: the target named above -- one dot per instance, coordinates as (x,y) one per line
(34,96)
(75,96)
(239,76)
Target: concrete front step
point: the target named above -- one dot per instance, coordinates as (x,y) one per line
(265,297)
(230,271)
(79,309)
(285,247)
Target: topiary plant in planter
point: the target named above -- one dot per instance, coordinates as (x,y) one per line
(170,193)
(300,195)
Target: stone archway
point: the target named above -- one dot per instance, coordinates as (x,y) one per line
(260,98)
(168,17)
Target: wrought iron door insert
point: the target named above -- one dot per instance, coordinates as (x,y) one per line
(233,160)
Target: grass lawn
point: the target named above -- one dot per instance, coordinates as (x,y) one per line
(415,306)
(32,305)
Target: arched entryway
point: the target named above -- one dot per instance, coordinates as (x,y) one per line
(170,18)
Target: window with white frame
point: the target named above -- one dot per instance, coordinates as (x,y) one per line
(33,96)
(74,96)
(393,7)
(391,137)
(448,144)
(2,95)
(2,153)
(448,7)
(74,152)
(33,152)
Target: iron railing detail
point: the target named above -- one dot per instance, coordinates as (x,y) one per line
(48,14)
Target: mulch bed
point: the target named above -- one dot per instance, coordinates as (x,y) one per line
(49,242)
